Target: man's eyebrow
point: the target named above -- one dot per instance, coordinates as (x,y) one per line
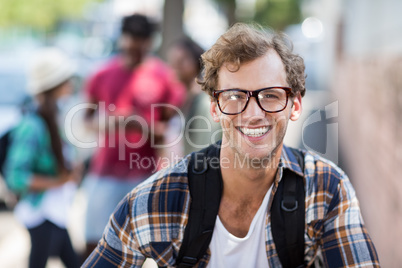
(233,88)
(238,88)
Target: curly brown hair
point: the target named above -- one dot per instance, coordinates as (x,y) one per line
(246,42)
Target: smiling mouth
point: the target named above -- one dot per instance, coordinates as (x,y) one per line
(254,132)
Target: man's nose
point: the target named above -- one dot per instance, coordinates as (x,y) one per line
(253,109)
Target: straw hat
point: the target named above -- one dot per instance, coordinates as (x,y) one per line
(50,68)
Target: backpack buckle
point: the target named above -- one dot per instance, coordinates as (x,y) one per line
(285,208)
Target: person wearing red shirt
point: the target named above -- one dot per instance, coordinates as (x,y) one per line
(131,93)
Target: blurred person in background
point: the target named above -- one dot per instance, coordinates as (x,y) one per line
(39,166)
(200,129)
(128,85)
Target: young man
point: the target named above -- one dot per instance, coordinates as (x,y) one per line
(256,85)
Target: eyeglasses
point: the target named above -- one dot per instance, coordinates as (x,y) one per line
(269,99)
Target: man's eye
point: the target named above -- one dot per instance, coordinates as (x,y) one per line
(235,97)
(268,96)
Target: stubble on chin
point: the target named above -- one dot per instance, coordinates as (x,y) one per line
(257,156)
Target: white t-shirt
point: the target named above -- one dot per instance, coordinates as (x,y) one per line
(228,250)
(54,207)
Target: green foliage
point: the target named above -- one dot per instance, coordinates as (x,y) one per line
(39,14)
(278,14)
(226,2)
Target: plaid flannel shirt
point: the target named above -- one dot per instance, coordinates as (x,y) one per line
(150,221)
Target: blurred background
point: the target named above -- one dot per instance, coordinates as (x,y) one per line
(353,55)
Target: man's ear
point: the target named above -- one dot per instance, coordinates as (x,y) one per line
(296,108)
(214,110)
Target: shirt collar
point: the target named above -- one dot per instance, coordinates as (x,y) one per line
(289,161)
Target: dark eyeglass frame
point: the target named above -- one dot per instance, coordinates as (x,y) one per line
(254,94)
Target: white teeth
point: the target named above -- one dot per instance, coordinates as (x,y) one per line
(254,132)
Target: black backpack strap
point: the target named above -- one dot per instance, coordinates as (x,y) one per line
(205,184)
(288,216)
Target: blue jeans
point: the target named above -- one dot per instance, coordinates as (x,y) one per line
(48,239)
(103,195)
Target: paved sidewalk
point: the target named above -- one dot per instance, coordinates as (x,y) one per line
(15,244)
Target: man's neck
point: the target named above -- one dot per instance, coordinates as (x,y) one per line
(248,182)
(244,189)
(130,66)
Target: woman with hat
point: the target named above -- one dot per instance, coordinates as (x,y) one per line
(37,167)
